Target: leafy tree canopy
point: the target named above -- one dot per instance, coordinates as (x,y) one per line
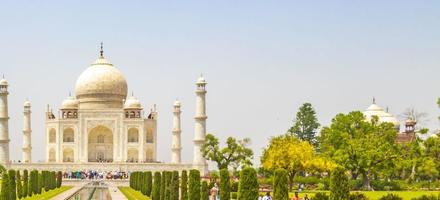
(235,154)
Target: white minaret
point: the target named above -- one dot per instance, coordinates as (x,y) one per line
(176,147)
(27,146)
(4,118)
(199,161)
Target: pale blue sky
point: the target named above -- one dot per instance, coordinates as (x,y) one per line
(262,59)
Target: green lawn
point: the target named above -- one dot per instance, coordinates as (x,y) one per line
(133,194)
(50,194)
(373,195)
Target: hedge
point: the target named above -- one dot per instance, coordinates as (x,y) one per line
(155,194)
(12,185)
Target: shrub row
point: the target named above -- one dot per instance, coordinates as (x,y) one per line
(15,185)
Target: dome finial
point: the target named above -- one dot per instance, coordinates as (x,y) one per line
(374,100)
(70,94)
(101,53)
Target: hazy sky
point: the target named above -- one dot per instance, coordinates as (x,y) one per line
(261,59)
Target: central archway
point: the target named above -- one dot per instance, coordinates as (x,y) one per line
(100,146)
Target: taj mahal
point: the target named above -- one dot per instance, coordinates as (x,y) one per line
(102,127)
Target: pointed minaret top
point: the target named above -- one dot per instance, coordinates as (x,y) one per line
(101,53)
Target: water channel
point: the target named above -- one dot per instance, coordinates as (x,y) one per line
(92,191)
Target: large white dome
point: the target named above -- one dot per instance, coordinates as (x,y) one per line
(101,86)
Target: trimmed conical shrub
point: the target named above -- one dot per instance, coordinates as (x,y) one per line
(248,185)
(167,185)
(12,185)
(25,183)
(184,186)
(225,185)
(155,192)
(339,185)
(174,186)
(280,185)
(194,185)
(204,191)
(148,183)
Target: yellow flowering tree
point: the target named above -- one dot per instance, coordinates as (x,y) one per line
(289,153)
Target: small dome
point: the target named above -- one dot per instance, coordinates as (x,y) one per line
(374,110)
(390,119)
(132,103)
(177,103)
(101,86)
(27,104)
(201,79)
(3,82)
(70,103)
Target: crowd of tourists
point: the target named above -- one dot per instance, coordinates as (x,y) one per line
(95,175)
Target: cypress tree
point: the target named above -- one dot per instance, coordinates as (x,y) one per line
(225,185)
(339,185)
(280,185)
(248,185)
(184,186)
(140,180)
(155,194)
(163,186)
(12,185)
(19,186)
(167,185)
(144,183)
(54,180)
(31,189)
(59,179)
(174,186)
(194,185)
(148,183)
(39,182)
(4,195)
(25,183)
(204,191)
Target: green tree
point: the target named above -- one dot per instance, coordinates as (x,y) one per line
(5,186)
(280,185)
(155,195)
(204,191)
(359,145)
(194,185)
(39,182)
(163,186)
(25,183)
(174,187)
(59,179)
(31,186)
(235,154)
(19,185)
(225,185)
(12,185)
(339,185)
(248,185)
(167,185)
(306,124)
(289,153)
(148,183)
(184,186)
